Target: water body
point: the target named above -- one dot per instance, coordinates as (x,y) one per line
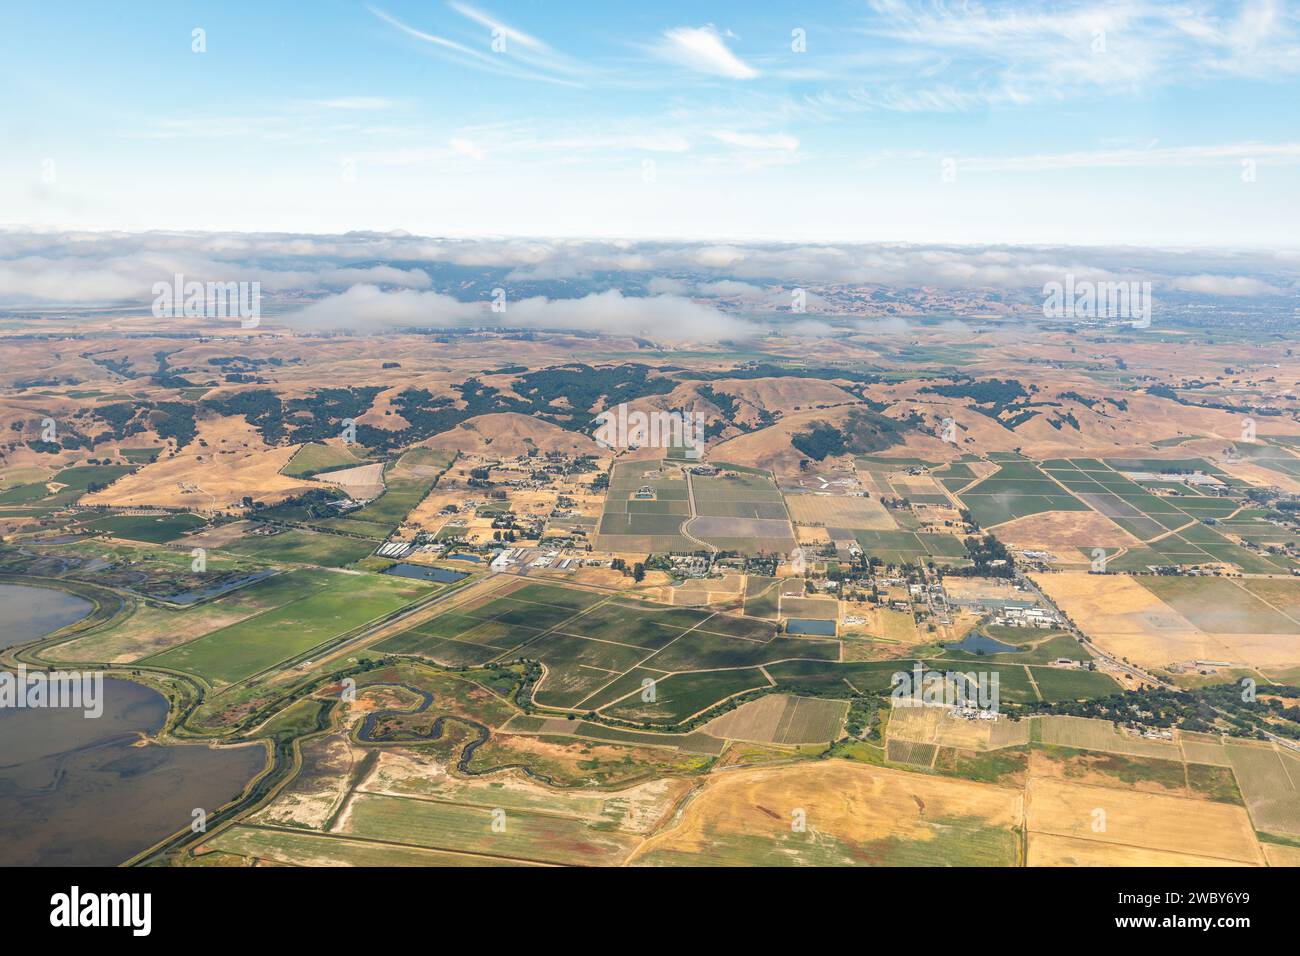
(424,573)
(83,792)
(809,626)
(974,643)
(198,594)
(27,613)
(464,557)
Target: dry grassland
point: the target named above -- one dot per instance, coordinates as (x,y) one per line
(855,814)
(236,463)
(1127,620)
(1203,828)
(1046,849)
(1063,532)
(839,512)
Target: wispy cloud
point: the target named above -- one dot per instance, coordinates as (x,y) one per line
(527,58)
(1012,53)
(704,50)
(1153,156)
(741,140)
(354,103)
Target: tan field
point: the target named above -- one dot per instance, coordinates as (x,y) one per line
(1064,532)
(934,725)
(839,512)
(1127,620)
(1085,733)
(637,809)
(364,481)
(1047,849)
(980,589)
(1281,855)
(852,814)
(312,798)
(807,535)
(1128,819)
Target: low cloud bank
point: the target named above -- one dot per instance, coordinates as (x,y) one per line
(385,280)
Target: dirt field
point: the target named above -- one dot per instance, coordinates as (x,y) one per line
(832,511)
(1203,828)
(853,815)
(933,725)
(1063,532)
(363,481)
(1047,849)
(316,793)
(981,589)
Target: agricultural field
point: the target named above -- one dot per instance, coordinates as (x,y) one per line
(762,597)
(313,458)
(299,546)
(835,511)
(150,630)
(1122,820)
(909,547)
(1270,782)
(239,650)
(153,529)
(601,654)
(1163,620)
(661,506)
(632,524)
(844,815)
(782,719)
(1017,489)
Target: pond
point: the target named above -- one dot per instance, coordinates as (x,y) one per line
(976,643)
(809,626)
(425,573)
(27,613)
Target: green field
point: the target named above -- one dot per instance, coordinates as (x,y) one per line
(155,529)
(252,645)
(77,481)
(298,546)
(545,837)
(1015,490)
(910,547)
(314,458)
(762,597)
(407,481)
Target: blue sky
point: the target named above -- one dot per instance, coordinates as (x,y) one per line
(1149,124)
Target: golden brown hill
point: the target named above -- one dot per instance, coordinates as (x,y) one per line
(509,433)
